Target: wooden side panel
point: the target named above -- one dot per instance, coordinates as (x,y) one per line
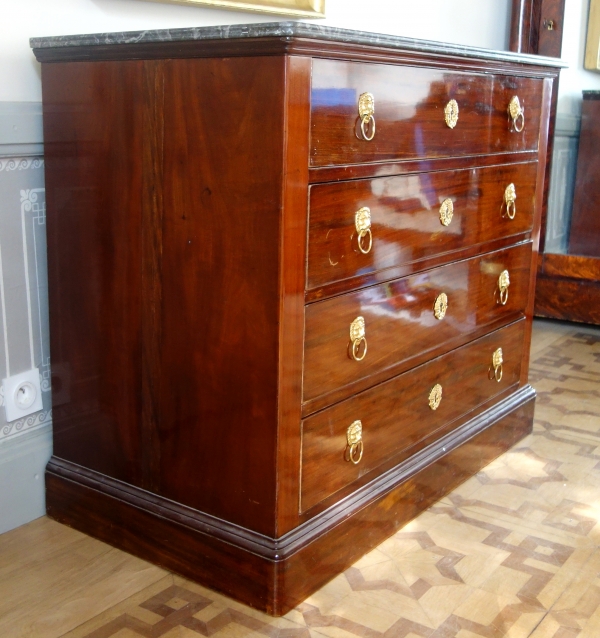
(94,136)
(292,277)
(223,164)
(540,203)
(584,238)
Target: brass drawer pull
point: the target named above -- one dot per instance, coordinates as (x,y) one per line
(515,111)
(357,337)
(440,306)
(446,212)
(503,284)
(451,113)
(355,443)
(510,196)
(362,222)
(366,109)
(435,396)
(497,361)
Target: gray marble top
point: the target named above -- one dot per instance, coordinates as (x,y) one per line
(286,30)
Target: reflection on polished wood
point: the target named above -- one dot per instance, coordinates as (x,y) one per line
(401,325)
(405,219)
(182,184)
(410,113)
(396,416)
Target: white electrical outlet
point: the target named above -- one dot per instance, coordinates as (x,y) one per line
(22,394)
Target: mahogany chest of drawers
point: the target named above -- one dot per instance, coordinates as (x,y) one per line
(291,284)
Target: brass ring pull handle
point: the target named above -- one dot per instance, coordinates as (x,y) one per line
(362,223)
(358,338)
(435,396)
(440,306)
(510,196)
(497,360)
(366,109)
(446,212)
(515,111)
(503,284)
(355,443)
(451,113)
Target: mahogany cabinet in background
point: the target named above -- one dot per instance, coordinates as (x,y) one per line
(569,284)
(584,237)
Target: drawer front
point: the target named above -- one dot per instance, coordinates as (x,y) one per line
(400,322)
(410,113)
(396,417)
(411,218)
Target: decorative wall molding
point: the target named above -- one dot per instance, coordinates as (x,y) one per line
(21,131)
(20,163)
(562,182)
(28,423)
(567,125)
(24,342)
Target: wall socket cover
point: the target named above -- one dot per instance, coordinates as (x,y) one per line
(22,394)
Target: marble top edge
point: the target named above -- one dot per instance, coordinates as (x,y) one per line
(285,30)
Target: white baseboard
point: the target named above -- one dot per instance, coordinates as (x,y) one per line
(22,490)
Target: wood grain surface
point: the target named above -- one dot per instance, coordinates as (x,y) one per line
(400,323)
(584,237)
(219,344)
(405,219)
(409,113)
(92,111)
(396,416)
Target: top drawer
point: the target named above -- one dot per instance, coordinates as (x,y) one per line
(409,113)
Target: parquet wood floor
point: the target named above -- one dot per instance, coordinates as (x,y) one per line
(514,551)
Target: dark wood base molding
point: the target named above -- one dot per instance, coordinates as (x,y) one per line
(270,574)
(568,288)
(568,299)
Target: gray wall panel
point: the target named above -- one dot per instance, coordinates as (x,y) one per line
(25,444)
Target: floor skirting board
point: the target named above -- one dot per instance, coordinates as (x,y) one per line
(22,464)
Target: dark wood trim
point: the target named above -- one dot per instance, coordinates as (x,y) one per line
(292,253)
(540,205)
(306,533)
(276,574)
(568,299)
(571,267)
(384,169)
(530,30)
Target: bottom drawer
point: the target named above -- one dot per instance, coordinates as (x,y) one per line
(400,416)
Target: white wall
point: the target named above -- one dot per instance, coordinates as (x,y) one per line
(483,23)
(575,79)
